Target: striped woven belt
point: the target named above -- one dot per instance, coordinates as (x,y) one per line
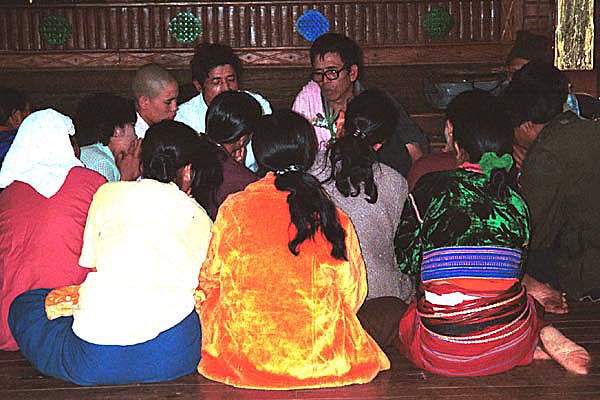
(471,262)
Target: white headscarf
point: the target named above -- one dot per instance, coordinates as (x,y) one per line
(41,154)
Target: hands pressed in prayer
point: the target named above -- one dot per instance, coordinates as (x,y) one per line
(128,162)
(519,153)
(239,154)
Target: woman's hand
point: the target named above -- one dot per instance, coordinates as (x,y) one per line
(129,162)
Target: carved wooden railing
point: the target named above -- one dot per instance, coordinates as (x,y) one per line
(125,35)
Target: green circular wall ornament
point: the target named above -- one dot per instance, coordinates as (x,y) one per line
(55,29)
(437,22)
(185,27)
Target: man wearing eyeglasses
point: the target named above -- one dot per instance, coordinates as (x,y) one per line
(336,63)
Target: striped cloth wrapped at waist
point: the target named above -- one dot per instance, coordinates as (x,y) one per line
(478,319)
(485,309)
(470,262)
(475,316)
(478,338)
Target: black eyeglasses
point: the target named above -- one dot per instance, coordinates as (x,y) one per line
(330,74)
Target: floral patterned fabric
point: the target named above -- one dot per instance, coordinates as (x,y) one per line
(458,208)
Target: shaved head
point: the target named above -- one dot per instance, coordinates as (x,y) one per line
(150,80)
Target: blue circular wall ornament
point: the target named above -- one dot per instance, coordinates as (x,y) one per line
(55,29)
(185,27)
(437,23)
(312,24)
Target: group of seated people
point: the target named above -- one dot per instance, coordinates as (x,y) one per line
(281,249)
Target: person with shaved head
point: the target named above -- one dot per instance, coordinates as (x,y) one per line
(155,91)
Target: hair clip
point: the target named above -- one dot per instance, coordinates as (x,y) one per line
(289,168)
(357,133)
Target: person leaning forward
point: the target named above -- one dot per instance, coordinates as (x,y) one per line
(559,182)
(336,65)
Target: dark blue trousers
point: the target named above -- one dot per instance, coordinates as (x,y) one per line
(53,348)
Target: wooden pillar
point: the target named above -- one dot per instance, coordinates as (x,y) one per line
(574,38)
(576,46)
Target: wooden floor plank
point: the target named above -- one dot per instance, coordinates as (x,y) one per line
(540,380)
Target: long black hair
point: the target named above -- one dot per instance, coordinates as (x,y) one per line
(370,119)
(285,143)
(480,124)
(171,145)
(209,180)
(231,115)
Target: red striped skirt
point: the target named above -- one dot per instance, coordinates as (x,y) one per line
(479,337)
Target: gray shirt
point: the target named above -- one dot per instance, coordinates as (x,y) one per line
(375,225)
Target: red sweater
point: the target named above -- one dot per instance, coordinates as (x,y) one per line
(41,239)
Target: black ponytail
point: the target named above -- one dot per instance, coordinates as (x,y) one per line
(208,178)
(499,182)
(352,162)
(310,209)
(370,120)
(285,143)
(481,125)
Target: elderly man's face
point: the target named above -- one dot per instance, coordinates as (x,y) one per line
(161,107)
(220,79)
(341,88)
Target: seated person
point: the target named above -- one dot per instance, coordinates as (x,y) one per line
(560,183)
(104,124)
(14,107)
(460,108)
(230,122)
(372,194)
(155,92)
(466,232)
(42,211)
(528,47)
(132,319)
(215,69)
(284,277)
(336,66)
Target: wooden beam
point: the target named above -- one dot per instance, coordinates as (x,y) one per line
(474,53)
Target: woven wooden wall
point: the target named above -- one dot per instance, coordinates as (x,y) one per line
(125,35)
(111,39)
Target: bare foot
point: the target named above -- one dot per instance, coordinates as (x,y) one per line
(564,351)
(540,354)
(553,301)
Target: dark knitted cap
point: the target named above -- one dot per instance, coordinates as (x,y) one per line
(530,46)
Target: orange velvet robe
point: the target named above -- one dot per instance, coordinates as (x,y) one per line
(272,320)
